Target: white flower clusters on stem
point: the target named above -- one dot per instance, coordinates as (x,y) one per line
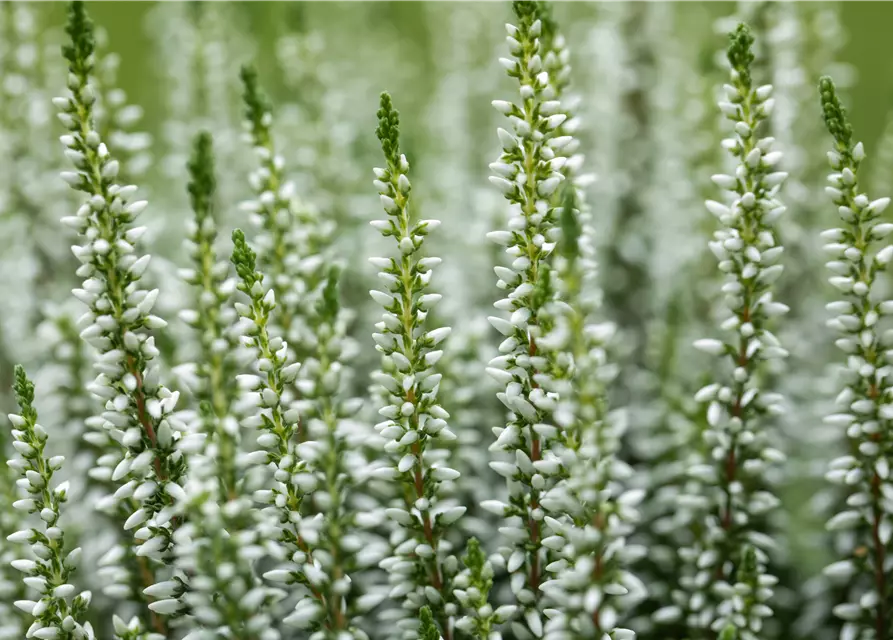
(292,237)
(859,256)
(280,451)
(334,449)
(58,614)
(590,513)
(213,316)
(736,480)
(422,566)
(218,550)
(138,407)
(528,175)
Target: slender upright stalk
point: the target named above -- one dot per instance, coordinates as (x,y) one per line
(422,566)
(859,256)
(138,408)
(740,404)
(58,614)
(528,174)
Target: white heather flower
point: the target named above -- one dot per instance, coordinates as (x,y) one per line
(277,422)
(531,389)
(868,390)
(138,408)
(422,568)
(213,317)
(58,610)
(292,236)
(590,512)
(735,480)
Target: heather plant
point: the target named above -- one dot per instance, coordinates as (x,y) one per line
(292,458)
(860,256)
(730,551)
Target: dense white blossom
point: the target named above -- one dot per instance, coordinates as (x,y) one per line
(732,478)
(859,254)
(422,565)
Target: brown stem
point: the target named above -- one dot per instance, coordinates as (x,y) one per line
(419,486)
(148,578)
(140,396)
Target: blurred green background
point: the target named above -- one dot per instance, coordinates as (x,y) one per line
(868,48)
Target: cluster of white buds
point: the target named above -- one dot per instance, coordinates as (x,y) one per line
(58,614)
(286,452)
(138,408)
(133,629)
(218,549)
(422,566)
(12,620)
(736,472)
(292,236)
(212,375)
(859,255)
(336,451)
(591,584)
(528,174)
(590,512)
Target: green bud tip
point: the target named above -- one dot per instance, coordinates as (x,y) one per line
(257,104)
(526,11)
(329,304)
(728,633)
(24,393)
(201,175)
(244,259)
(427,627)
(83,42)
(388,130)
(474,556)
(835,116)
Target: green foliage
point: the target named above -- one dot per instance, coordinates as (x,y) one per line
(570,225)
(328,305)
(427,626)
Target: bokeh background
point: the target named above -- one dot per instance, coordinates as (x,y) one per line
(350,28)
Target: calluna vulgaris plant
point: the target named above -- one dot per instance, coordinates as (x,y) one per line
(281,462)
